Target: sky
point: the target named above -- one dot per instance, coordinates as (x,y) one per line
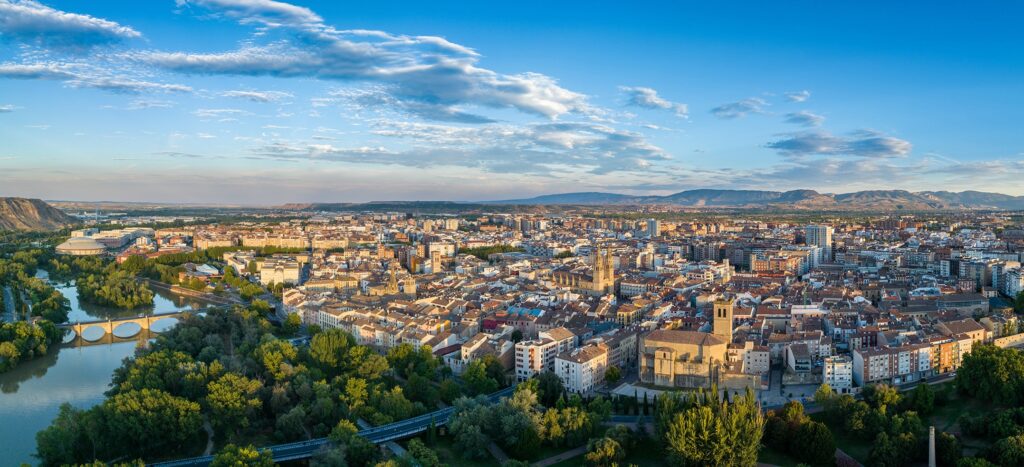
(265,102)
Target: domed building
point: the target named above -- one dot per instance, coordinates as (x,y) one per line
(81,246)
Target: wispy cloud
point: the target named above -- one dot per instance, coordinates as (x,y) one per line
(218,113)
(535,149)
(863,143)
(805,118)
(82,76)
(7,108)
(649,99)
(32,22)
(427,75)
(752,105)
(258,96)
(798,96)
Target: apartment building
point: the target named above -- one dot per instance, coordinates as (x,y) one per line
(582,370)
(538,355)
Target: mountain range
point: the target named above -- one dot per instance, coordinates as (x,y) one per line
(31,214)
(872,200)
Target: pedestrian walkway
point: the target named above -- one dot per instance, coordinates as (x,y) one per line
(561,457)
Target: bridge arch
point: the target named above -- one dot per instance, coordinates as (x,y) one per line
(126,329)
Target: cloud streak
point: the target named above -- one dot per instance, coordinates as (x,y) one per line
(648,98)
(29,21)
(805,118)
(862,143)
(79,76)
(739,109)
(258,96)
(798,96)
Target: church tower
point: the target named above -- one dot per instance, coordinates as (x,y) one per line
(723,319)
(392,287)
(604,271)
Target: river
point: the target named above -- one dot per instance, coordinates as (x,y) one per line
(31,394)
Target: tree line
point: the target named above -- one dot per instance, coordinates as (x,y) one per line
(228,370)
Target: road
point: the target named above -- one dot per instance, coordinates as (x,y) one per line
(376,435)
(10,315)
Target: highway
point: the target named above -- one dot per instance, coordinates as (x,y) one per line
(380,434)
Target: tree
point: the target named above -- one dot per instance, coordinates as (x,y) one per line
(824,396)
(66,440)
(921,399)
(242,456)
(604,452)
(147,421)
(291,324)
(449,390)
(992,373)
(705,431)
(549,388)
(329,348)
(1009,450)
(1018,304)
(948,450)
(881,395)
(232,400)
(814,444)
(467,425)
(613,375)
(423,455)
(476,379)
(517,336)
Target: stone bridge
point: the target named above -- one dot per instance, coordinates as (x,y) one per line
(109,325)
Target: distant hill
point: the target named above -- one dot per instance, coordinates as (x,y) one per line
(31,214)
(590,197)
(873,200)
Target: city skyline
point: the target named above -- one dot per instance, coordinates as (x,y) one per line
(265,102)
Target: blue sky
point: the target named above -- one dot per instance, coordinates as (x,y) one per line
(263,102)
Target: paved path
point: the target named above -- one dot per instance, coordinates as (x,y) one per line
(209,438)
(498,454)
(843,458)
(9,305)
(561,457)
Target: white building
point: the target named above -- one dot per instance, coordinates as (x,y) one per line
(582,370)
(838,373)
(538,355)
(279,271)
(821,237)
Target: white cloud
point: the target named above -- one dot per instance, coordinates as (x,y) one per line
(258,96)
(218,113)
(752,105)
(32,22)
(798,96)
(83,76)
(7,108)
(649,99)
(805,118)
(425,75)
(863,143)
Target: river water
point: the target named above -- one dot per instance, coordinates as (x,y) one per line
(31,394)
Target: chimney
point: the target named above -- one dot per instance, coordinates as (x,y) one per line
(931,446)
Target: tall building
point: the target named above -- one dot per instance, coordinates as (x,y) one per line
(821,237)
(435,261)
(653,228)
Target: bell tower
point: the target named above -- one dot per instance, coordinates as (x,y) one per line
(723,319)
